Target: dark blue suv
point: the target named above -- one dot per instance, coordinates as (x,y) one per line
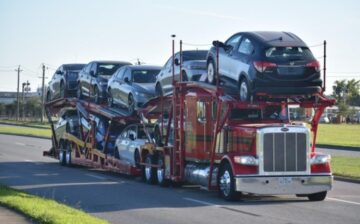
(261,63)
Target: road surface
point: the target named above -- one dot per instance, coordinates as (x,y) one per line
(122,199)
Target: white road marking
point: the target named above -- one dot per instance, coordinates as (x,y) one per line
(28,160)
(201,202)
(345,201)
(97,177)
(19,143)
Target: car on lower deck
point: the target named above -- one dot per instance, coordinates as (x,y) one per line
(193,67)
(131,86)
(64,82)
(261,63)
(94,77)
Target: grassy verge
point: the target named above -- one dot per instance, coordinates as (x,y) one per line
(34,124)
(44,210)
(26,131)
(339,135)
(346,166)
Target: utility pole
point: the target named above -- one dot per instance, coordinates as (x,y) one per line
(43,94)
(18,70)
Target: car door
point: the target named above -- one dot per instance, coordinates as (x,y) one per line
(124,87)
(122,143)
(83,77)
(117,85)
(167,76)
(240,59)
(125,143)
(225,55)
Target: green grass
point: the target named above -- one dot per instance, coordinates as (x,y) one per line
(339,135)
(346,166)
(27,123)
(26,131)
(44,210)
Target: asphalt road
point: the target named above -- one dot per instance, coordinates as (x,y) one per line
(122,199)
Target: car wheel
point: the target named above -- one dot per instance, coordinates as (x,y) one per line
(158,90)
(48,96)
(79,92)
(149,172)
(226,183)
(137,158)
(244,90)
(317,196)
(62,90)
(160,173)
(211,72)
(131,104)
(110,99)
(96,95)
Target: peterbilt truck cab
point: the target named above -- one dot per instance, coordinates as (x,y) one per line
(258,149)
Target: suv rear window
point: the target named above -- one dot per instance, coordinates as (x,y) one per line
(285,53)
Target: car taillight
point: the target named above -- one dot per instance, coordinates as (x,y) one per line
(261,66)
(314,64)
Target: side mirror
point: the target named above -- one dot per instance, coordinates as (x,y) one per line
(177,61)
(132,136)
(92,73)
(126,79)
(219,44)
(58,72)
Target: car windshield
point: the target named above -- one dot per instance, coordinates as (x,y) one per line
(107,69)
(285,53)
(72,74)
(145,75)
(194,55)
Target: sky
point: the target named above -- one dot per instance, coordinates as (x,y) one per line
(53,32)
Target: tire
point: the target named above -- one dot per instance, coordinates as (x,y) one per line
(158,90)
(79,94)
(62,90)
(244,90)
(48,96)
(96,95)
(149,173)
(110,99)
(68,158)
(137,158)
(211,72)
(62,154)
(160,173)
(317,196)
(116,153)
(226,183)
(131,104)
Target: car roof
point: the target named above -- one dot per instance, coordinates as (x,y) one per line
(154,67)
(276,38)
(192,51)
(111,62)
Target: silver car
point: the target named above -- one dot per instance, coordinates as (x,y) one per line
(131,86)
(193,67)
(128,144)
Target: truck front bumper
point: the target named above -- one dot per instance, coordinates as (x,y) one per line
(283,185)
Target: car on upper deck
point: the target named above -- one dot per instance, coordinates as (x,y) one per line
(93,79)
(261,63)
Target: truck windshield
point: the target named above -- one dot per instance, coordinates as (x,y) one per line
(269,113)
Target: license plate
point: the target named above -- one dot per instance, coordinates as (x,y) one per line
(285,180)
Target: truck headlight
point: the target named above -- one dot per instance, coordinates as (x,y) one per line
(246,160)
(320,159)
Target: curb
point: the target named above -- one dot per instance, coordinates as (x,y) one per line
(347,179)
(23,125)
(30,136)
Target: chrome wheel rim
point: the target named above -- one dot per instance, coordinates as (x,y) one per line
(61,156)
(160,171)
(147,170)
(68,157)
(243,91)
(225,183)
(210,73)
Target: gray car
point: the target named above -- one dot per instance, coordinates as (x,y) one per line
(93,78)
(193,67)
(131,86)
(129,143)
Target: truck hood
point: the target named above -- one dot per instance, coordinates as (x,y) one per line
(268,125)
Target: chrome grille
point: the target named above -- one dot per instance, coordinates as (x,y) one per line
(284,152)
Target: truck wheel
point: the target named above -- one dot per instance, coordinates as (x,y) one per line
(149,172)
(317,196)
(62,161)
(211,72)
(226,183)
(160,174)
(68,155)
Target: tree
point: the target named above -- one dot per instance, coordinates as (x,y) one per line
(347,92)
